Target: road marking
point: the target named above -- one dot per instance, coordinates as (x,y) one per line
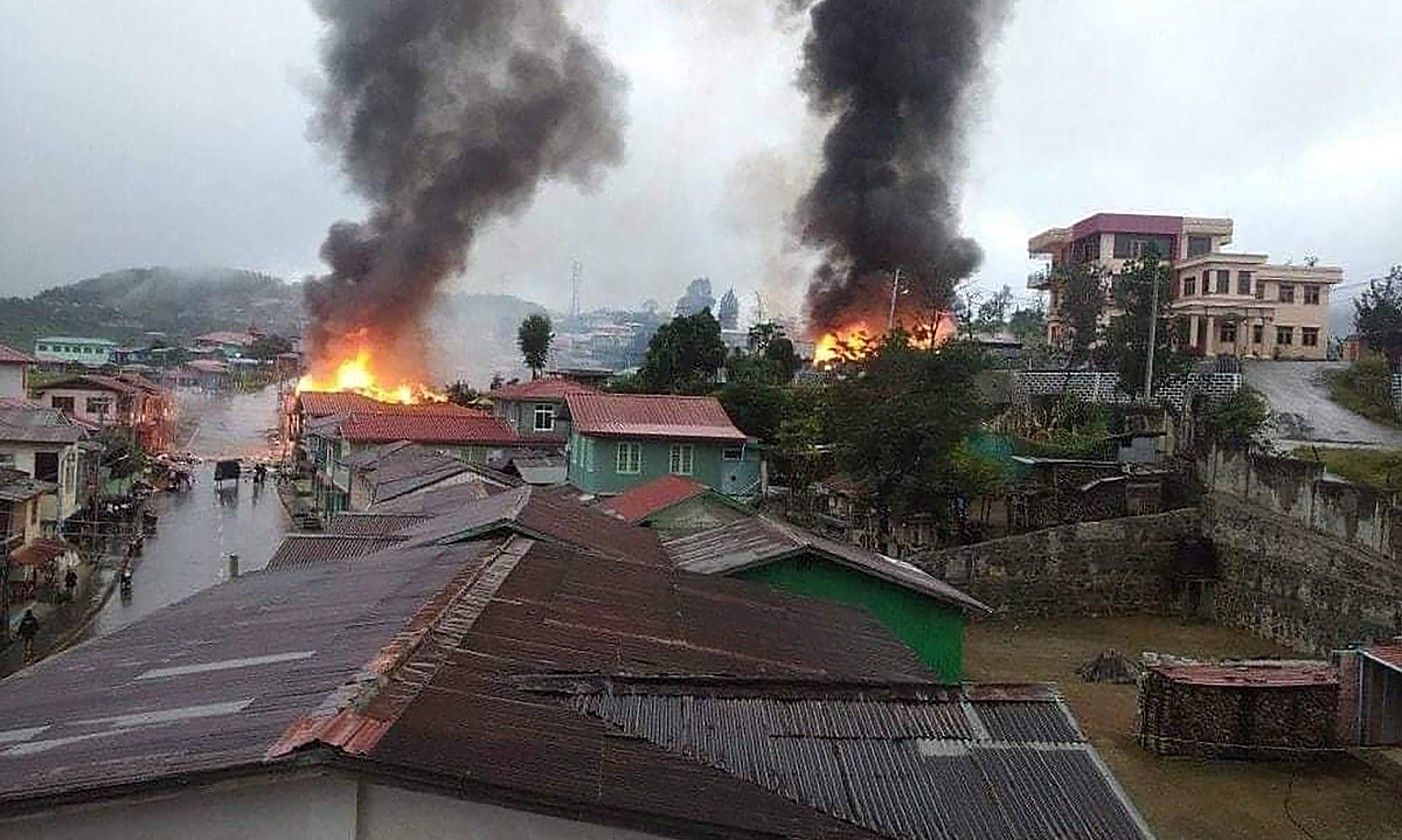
(225,665)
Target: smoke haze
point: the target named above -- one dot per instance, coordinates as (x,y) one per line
(893,75)
(444,116)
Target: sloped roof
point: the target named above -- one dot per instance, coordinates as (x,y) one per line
(22,420)
(366,524)
(758,540)
(550,389)
(309,549)
(1389,654)
(39,552)
(94,381)
(447,498)
(394,469)
(447,429)
(327,403)
(17,486)
(656,416)
(1250,674)
(242,339)
(11,356)
(640,502)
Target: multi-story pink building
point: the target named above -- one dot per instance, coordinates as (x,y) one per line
(1225,303)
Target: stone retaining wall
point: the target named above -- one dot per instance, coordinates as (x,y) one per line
(1111,567)
(1103,386)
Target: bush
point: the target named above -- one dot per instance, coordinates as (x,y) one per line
(1241,420)
(1365,388)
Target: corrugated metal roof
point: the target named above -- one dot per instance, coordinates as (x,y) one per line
(366,524)
(1252,674)
(758,540)
(208,683)
(1390,653)
(298,550)
(643,501)
(652,416)
(552,389)
(24,421)
(39,552)
(326,403)
(448,428)
(17,486)
(394,469)
(907,764)
(432,501)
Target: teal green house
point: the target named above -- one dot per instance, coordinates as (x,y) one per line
(926,613)
(621,441)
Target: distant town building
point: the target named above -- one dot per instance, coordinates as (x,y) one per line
(620,441)
(1225,303)
(59,349)
(14,373)
(225,342)
(122,401)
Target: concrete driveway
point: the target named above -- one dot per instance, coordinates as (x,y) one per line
(1304,412)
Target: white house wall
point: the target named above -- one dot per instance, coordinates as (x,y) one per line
(315,808)
(12,382)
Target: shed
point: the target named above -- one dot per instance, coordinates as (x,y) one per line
(1370,711)
(926,613)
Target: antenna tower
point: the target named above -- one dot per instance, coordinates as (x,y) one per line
(576,280)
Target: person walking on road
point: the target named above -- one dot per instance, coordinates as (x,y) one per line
(28,629)
(70,582)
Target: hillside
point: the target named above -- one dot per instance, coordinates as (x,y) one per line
(122,305)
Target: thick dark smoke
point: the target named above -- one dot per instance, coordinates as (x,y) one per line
(894,75)
(445,114)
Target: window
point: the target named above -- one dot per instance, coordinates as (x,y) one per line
(1309,336)
(544,417)
(46,466)
(1224,282)
(1284,335)
(1243,282)
(733,453)
(1312,295)
(99,406)
(1226,332)
(683,454)
(1190,286)
(1199,245)
(1129,245)
(1206,283)
(1261,291)
(629,459)
(1287,293)
(7,459)
(64,404)
(1258,334)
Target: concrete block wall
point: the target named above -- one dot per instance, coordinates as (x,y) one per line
(1103,386)
(1397,390)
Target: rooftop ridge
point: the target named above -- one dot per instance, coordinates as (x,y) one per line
(345,720)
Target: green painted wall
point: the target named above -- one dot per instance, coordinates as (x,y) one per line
(935,631)
(598,474)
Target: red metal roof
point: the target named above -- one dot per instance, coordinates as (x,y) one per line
(553,388)
(659,494)
(1390,653)
(327,403)
(11,356)
(39,553)
(226,337)
(1258,674)
(652,416)
(469,428)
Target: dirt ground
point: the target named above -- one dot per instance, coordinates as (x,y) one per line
(1186,798)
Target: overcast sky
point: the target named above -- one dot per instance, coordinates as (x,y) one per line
(173,132)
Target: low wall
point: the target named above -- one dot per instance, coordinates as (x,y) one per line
(1299,587)
(1115,566)
(1103,386)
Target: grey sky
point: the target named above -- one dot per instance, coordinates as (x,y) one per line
(173,132)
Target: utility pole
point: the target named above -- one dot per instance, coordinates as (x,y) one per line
(895,290)
(1153,336)
(576,280)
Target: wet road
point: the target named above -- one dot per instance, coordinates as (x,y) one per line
(197,530)
(1305,413)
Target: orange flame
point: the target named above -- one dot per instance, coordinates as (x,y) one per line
(357,374)
(854,342)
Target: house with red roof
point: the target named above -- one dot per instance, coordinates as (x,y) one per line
(621,441)
(538,408)
(125,400)
(14,373)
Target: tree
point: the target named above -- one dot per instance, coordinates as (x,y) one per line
(785,358)
(461,393)
(1377,316)
(992,313)
(728,311)
(698,297)
(899,424)
(1083,302)
(1125,343)
(1241,420)
(534,339)
(757,408)
(269,346)
(762,334)
(683,355)
(1029,324)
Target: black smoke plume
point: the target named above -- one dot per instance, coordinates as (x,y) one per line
(894,75)
(445,114)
